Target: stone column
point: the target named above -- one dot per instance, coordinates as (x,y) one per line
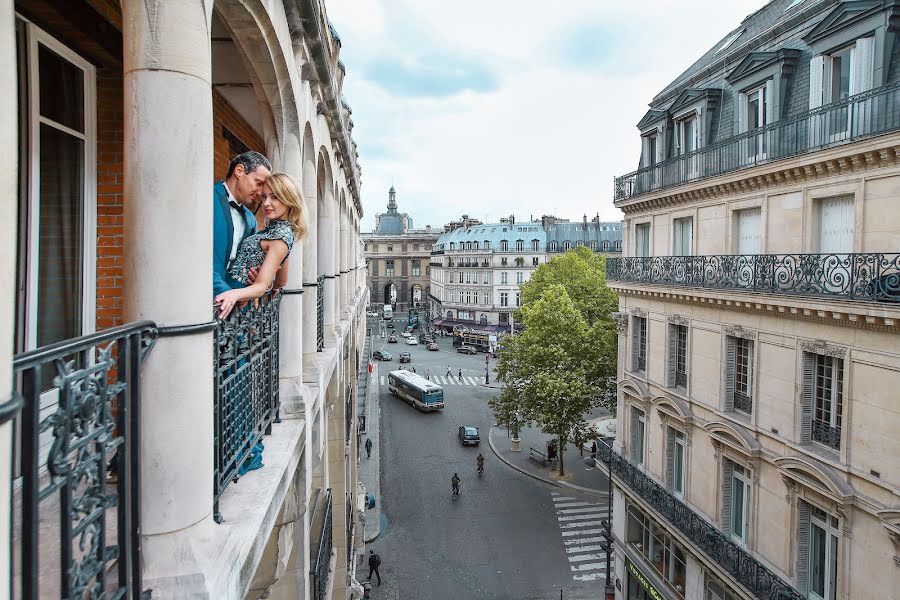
(310,260)
(326,260)
(168,266)
(8,222)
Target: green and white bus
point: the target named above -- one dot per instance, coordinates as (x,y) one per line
(416,390)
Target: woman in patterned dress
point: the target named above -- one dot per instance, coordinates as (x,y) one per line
(267,250)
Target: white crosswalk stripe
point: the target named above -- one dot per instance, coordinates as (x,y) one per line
(581,526)
(443,380)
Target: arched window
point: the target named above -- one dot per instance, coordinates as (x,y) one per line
(567,245)
(520,245)
(593,245)
(579,244)
(487,245)
(474,245)
(618,246)
(605,245)
(535,245)
(449,314)
(552,246)
(504,246)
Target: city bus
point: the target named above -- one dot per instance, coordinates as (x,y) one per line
(416,390)
(463,336)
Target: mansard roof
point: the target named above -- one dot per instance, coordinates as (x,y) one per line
(845,14)
(757,61)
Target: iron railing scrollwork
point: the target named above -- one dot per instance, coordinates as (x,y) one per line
(826,434)
(351,528)
(348,414)
(753,575)
(320,313)
(864,115)
(870,277)
(83,395)
(246,399)
(321,564)
(743,403)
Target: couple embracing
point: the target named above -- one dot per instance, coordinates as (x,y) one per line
(248,263)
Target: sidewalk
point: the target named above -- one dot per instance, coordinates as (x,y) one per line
(579,477)
(370,468)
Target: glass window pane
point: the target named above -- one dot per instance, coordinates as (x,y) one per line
(61,237)
(61,89)
(737,508)
(817,550)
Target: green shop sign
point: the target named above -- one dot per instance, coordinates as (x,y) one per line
(645,583)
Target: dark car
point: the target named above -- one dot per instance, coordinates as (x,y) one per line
(392,339)
(468,436)
(433,346)
(466,350)
(405,357)
(382,355)
(423,338)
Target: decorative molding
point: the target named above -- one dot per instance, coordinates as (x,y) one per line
(738,332)
(639,312)
(791,487)
(822,347)
(621,320)
(677,320)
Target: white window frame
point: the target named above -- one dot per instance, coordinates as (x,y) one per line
(832,536)
(680,444)
(639,420)
(745,480)
(35,36)
(678,226)
(642,250)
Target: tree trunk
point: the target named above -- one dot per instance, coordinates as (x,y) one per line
(562,470)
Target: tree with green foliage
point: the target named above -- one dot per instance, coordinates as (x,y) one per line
(561,366)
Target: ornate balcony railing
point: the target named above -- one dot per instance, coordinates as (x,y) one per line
(351,529)
(348,414)
(826,434)
(865,277)
(321,563)
(78,536)
(864,115)
(435,264)
(757,578)
(320,313)
(246,399)
(743,403)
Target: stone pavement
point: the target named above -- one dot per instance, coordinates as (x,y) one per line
(370,468)
(578,476)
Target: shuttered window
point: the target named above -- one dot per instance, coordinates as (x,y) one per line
(738,374)
(675,461)
(735,500)
(677,356)
(638,344)
(817,552)
(638,428)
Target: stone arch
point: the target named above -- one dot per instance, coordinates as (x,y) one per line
(636,388)
(674,407)
(819,478)
(734,437)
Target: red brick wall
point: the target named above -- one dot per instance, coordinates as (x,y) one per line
(224,115)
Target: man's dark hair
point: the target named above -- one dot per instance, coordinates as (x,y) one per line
(251,160)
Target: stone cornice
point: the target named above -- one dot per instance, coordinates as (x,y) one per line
(677,320)
(738,332)
(847,313)
(851,158)
(822,347)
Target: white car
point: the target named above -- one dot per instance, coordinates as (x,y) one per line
(412,341)
(406,334)
(371,313)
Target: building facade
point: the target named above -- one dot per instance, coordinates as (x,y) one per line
(757,425)
(126,114)
(397,258)
(477,269)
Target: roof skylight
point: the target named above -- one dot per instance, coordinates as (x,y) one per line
(730,40)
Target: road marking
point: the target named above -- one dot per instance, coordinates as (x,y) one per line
(577,549)
(581,524)
(583,535)
(589,577)
(592,515)
(583,532)
(589,566)
(586,557)
(575,511)
(573,504)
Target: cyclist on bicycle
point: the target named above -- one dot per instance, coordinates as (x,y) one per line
(480,461)
(455,483)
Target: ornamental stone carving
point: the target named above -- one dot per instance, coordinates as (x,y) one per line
(821,347)
(638,312)
(621,322)
(677,320)
(738,332)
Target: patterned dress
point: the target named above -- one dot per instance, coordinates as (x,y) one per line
(250,254)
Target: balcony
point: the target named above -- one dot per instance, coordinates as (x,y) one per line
(757,578)
(320,561)
(858,117)
(858,277)
(320,313)
(435,264)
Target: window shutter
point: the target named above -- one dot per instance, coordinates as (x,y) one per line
(863,65)
(727,477)
(670,370)
(750,348)
(730,364)
(806,402)
(635,342)
(802,548)
(634,437)
(816,70)
(670,459)
(742,112)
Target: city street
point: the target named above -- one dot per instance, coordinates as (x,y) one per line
(507,536)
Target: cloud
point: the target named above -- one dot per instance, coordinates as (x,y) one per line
(525,107)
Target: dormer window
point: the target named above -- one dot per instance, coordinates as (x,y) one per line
(686,134)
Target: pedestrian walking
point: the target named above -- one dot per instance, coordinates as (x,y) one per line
(594,449)
(428,374)
(414,369)
(374,563)
(449,372)
(460,375)
(368,448)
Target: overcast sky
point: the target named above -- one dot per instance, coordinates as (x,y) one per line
(494,107)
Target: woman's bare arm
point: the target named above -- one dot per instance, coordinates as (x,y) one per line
(276,251)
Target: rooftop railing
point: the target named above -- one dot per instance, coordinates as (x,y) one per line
(246,399)
(864,115)
(737,561)
(860,277)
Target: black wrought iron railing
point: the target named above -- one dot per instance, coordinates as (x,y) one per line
(348,414)
(246,399)
(743,403)
(77,534)
(435,264)
(753,575)
(865,277)
(321,561)
(320,313)
(826,434)
(864,115)
(351,529)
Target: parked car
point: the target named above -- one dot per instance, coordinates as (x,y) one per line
(371,313)
(406,334)
(468,436)
(425,339)
(466,350)
(433,346)
(382,355)
(405,357)
(392,339)
(411,341)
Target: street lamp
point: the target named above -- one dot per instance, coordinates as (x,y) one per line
(487,369)
(590,463)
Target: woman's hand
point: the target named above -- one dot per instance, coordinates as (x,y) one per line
(226,302)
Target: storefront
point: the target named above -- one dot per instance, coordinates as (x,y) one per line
(639,586)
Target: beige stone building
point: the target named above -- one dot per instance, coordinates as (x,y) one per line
(758,424)
(129,412)
(397,259)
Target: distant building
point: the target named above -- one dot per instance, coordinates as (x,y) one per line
(597,235)
(398,259)
(465,221)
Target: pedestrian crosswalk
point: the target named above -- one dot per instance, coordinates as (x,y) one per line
(581,526)
(443,380)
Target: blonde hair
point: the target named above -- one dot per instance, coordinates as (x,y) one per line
(287,189)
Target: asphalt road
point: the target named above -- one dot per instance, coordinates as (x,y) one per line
(503,538)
